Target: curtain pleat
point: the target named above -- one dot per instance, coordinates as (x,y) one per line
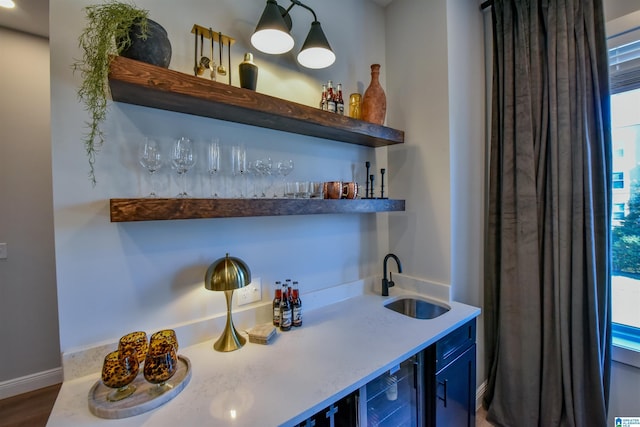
(547,316)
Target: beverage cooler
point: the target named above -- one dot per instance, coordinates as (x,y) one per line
(395,398)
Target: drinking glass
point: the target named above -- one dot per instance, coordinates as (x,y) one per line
(264,167)
(239,166)
(159,366)
(183,158)
(284,168)
(134,340)
(119,369)
(214,163)
(150,158)
(165,335)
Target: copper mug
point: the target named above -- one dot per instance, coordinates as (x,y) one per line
(333,190)
(349,190)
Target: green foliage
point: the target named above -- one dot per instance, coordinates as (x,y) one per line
(106,35)
(625,248)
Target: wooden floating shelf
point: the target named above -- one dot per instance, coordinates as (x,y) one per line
(139,83)
(152,209)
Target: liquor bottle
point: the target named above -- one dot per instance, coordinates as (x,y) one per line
(331,98)
(323,99)
(276,304)
(339,101)
(285,311)
(297,306)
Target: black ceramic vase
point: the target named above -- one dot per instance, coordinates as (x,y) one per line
(248,72)
(155,49)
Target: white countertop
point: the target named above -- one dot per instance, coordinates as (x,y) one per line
(339,348)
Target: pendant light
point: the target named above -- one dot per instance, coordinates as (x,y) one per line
(272,32)
(272,36)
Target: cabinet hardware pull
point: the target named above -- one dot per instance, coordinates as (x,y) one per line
(444,384)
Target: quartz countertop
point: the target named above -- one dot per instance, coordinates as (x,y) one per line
(339,348)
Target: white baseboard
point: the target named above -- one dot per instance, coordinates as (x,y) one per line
(29,383)
(480,394)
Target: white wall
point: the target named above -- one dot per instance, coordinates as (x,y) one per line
(114,278)
(28,309)
(438,82)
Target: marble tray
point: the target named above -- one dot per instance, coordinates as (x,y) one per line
(141,400)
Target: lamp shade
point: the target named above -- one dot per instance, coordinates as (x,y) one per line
(272,32)
(227,274)
(316,52)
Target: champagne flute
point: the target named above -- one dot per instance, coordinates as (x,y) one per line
(183,158)
(150,158)
(214,163)
(239,165)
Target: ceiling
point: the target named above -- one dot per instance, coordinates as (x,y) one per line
(29,16)
(32,16)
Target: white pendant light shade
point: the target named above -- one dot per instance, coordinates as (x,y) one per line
(316,52)
(9,4)
(272,41)
(272,32)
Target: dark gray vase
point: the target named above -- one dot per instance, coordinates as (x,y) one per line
(156,49)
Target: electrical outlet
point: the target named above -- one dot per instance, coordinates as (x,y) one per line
(250,293)
(3,251)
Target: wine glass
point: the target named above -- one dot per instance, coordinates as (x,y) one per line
(284,168)
(239,165)
(183,158)
(134,340)
(160,365)
(119,369)
(263,168)
(150,158)
(214,162)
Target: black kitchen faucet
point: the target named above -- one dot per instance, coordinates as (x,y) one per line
(386,284)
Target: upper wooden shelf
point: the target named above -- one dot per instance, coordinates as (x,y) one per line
(139,83)
(156,209)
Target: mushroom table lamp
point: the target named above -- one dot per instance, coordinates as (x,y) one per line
(228,274)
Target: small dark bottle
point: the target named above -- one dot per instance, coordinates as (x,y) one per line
(286,314)
(276,304)
(331,98)
(323,99)
(297,306)
(339,100)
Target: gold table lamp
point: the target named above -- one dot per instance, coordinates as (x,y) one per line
(228,274)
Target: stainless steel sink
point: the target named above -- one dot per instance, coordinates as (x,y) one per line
(416,308)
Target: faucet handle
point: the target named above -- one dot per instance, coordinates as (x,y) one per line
(391,282)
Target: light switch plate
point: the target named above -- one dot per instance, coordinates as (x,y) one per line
(250,293)
(3,251)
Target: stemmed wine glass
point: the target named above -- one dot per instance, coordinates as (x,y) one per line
(239,165)
(214,163)
(284,168)
(150,158)
(183,158)
(118,372)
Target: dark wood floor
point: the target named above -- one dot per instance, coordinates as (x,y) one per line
(33,409)
(30,409)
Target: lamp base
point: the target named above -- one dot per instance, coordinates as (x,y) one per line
(229,340)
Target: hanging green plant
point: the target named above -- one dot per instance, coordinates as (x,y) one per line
(107,34)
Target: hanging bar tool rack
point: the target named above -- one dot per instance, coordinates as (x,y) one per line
(223,41)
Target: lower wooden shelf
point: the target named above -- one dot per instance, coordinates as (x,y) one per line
(152,209)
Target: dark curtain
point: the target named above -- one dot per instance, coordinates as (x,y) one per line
(547,284)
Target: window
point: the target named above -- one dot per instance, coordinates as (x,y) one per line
(624,72)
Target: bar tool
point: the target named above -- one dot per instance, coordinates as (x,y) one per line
(382,171)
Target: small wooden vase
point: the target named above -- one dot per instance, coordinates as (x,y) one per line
(374,101)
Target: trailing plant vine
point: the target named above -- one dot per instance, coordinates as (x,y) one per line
(106,35)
